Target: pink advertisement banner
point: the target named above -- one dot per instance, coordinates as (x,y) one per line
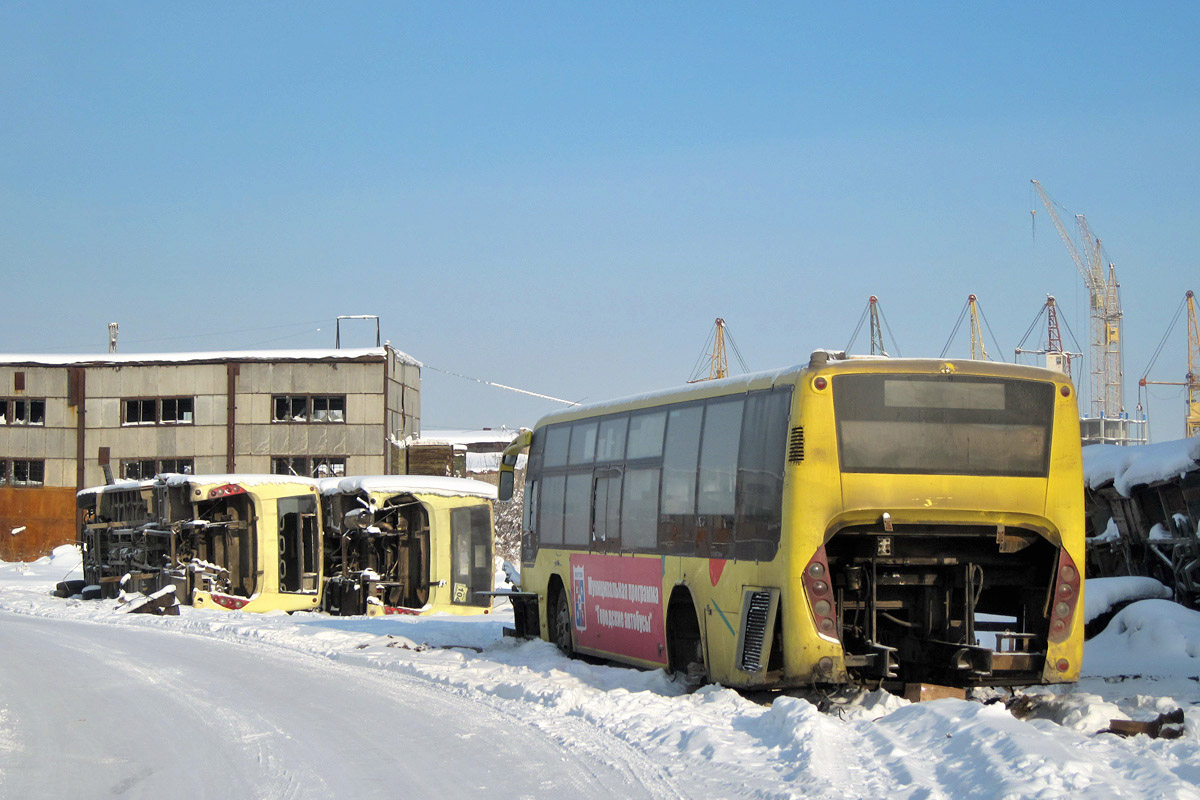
(618,605)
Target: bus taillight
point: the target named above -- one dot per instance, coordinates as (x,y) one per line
(1066,597)
(820,595)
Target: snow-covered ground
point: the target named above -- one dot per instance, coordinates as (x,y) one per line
(405,704)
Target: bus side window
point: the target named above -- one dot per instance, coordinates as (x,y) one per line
(550,523)
(717,480)
(639,509)
(606,508)
(680,458)
(576,519)
(529,512)
(557,438)
(646,435)
(760,473)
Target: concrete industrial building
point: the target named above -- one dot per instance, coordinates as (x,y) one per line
(64,420)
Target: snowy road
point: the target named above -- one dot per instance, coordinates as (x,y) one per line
(227,704)
(88,710)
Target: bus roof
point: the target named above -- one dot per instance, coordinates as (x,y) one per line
(824,360)
(412,484)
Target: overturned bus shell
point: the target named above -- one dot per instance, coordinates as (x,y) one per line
(407,544)
(248,542)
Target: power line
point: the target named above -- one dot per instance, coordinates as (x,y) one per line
(500,385)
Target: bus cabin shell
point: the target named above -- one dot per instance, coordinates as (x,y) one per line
(408,544)
(248,542)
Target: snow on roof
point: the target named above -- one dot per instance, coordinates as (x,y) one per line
(179,479)
(1137,465)
(242,479)
(114,486)
(501,434)
(319,354)
(414,484)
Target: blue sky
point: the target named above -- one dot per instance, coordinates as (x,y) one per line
(563,197)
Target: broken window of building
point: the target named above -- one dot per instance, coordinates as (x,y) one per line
(177,410)
(309,467)
(28,472)
(22,411)
(289,465)
(183,466)
(139,412)
(329,408)
(137,469)
(289,408)
(328,467)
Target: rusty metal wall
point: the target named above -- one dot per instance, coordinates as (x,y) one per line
(48,515)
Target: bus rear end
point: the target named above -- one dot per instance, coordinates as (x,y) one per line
(939,506)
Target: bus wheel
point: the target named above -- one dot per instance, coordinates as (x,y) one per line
(560,623)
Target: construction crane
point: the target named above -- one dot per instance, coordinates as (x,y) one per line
(874,312)
(1191,417)
(978,351)
(717,358)
(1107,396)
(1056,357)
(972,309)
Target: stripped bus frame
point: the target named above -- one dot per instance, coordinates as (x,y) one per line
(399,544)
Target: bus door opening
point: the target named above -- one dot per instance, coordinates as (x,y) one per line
(471,554)
(299,545)
(220,544)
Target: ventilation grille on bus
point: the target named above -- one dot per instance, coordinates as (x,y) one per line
(796,445)
(756,631)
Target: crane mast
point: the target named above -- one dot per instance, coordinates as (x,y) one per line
(1193,373)
(876,331)
(1107,401)
(978,351)
(719,362)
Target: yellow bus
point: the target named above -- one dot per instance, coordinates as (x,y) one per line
(852,520)
(248,542)
(364,545)
(408,544)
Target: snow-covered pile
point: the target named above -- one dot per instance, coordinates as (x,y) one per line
(1151,638)
(718,743)
(1104,594)
(1127,467)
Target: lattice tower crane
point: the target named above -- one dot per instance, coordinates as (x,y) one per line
(1057,357)
(1107,396)
(716,358)
(1192,382)
(978,351)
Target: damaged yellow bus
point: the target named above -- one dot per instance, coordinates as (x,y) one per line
(247,542)
(852,520)
(365,545)
(408,544)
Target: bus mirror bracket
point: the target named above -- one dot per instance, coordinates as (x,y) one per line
(508,464)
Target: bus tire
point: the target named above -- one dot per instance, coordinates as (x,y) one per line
(560,622)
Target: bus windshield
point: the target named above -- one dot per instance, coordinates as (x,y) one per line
(943,424)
